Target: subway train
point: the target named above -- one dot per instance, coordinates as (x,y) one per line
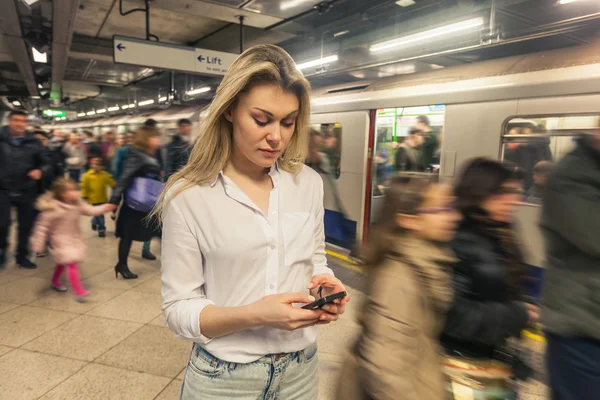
(476,108)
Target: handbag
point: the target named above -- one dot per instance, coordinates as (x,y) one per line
(143,194)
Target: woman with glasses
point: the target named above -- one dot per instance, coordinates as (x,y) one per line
(398,354)
(488,306)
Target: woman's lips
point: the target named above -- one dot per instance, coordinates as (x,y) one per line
(270,153)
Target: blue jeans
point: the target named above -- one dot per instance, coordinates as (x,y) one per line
(75,175)
(99,221)
(573,365)
(274,376)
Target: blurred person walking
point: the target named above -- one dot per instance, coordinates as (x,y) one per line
(94,189)
(488,306)
(76,157)
(398,355)
(178,150)
(408,155)
(59,224)
(23,163)
(139,168)
(571,291)
(121,154)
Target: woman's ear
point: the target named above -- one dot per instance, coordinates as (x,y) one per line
(229,114)
(407,221)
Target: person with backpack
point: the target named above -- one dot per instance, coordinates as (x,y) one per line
(139,185)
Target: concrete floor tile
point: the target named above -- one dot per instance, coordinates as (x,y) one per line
(171,392)
(131,306)
(181,374)
(22,324)
(86,270)
(107,278)
(67,301)
(100,382)
(152,285)
(27,376)
(335,338)
(329,375)
(25,290)
(5,349)
(151,349)
(8,277)
(159,321)
(83,338)
(4,307)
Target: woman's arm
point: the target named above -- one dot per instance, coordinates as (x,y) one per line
(41,230)
(130,169)
(187,310)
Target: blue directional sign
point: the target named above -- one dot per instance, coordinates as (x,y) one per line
(121,47)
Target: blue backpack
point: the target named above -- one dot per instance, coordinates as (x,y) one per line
(143,194)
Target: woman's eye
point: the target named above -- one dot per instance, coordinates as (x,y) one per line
(261,123)
(288,124)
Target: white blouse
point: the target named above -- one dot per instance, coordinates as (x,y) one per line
(219,248)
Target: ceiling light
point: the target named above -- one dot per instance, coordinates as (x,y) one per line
(63,118)
(162,99)
(57,119)
(115,108)
(566,1)
(145,103)
(430,34)
(341,33)
(101,111)
(198,91)
(40,86)
(125,107)
(35,97)
(30,3)
(90,113)
(316,63)
(131,105)
(291,4)
(39,57)
(81,115)
(16,103)
(405,3)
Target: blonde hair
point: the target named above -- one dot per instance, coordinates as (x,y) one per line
(142,137)
(262,64)
(60,186)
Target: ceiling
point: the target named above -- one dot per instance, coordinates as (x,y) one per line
(83,76)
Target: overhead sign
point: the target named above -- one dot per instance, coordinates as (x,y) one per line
(54,113)
(151,54)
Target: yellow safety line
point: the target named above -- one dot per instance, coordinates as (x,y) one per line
(534,336)
(350,263)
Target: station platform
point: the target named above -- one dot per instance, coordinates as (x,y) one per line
(115,346)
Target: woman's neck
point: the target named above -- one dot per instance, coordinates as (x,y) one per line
(239,165)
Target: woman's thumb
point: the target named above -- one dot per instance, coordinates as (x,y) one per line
(299,298)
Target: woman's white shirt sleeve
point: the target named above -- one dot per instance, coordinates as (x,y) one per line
(320,256)
(183,292)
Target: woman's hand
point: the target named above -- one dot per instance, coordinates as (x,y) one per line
(110,207)
(533,312)
(277,311)
(331,285)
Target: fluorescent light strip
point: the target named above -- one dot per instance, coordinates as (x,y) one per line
(566,1)
(145,103)
(315,63)
(125,107)
(430,34)
(162,99)
(340,33)
(198,91)
(81,115)
(131,105)
(326,101)
(39,57)
(16,103)
(101,111)
(90,113)
(115,108)
(291,4)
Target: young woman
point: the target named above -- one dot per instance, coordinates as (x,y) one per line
(398,355)
(488,306)
(133,225)
(243,239)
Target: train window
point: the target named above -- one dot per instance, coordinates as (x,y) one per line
(324,150)
(535,144)
(407,139)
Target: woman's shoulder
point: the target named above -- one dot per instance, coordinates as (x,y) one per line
(306,177)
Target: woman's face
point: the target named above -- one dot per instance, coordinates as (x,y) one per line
(264,120)
(154,143)
(120,140)
(502,206)
(437,217)
(75,139)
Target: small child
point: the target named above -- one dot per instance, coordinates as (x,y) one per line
(93,186)
(59,222)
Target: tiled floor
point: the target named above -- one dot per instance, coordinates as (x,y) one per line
(115,346)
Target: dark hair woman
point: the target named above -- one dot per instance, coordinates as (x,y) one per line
(398,353)
(132,224)
(488,307)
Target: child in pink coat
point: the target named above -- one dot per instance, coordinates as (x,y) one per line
(59,223)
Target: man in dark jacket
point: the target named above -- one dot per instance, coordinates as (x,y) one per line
(408,156)
(178,151)
(430,141)
(571,292)
(22,163)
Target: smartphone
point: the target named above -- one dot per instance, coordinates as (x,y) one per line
(324,300)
